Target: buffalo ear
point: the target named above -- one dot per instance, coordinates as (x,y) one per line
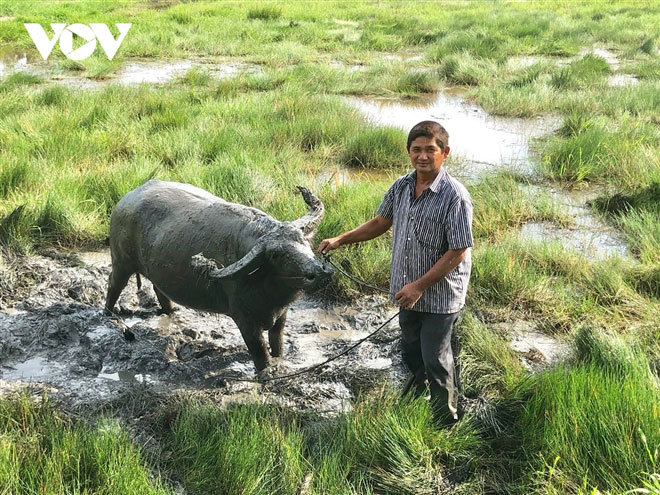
(251,261)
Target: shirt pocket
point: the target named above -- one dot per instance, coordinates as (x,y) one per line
(430,233)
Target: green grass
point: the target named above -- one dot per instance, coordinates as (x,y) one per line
(594,422)
(265,13)
(646,70)
(17,80)
(376,148)
(103,144)
(585,71)
(42,452)
(488,365)
(465,70)
(586,426)
(247,450)
(601,149)
(501,204)
(590,422)
(637,214)
(383,445)
(546,280)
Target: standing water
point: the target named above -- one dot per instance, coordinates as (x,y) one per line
(483,141)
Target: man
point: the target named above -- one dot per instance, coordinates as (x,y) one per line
(432,217)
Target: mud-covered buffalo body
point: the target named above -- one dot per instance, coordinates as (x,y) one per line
(206,253)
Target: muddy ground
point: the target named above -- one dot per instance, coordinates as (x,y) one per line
(54,338)
(54,335)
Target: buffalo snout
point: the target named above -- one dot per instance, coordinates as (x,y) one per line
(319,276)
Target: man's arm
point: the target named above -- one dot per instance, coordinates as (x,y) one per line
(410,293)
(368,230)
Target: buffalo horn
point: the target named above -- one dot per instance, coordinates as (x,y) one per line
(310,221)
(245,265)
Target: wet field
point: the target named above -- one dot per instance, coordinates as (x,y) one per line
(89,359)
(552,115)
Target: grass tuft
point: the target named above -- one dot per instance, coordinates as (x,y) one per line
(379,148)
(594,423)
(637,214)
(488,365)
(647,46)
(53,96)
(41,452)
(19,79)
(264,13)
(246,449)
(589,149)
(416,82)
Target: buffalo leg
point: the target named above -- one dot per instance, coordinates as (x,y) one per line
(254,339)
(275,336)
(165,302)
(116,284)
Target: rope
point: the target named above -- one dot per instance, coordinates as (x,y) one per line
(315,366)
(326,257)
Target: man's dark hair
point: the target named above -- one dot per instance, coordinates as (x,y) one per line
(431,130)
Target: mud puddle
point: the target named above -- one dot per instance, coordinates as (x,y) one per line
(618,79)
(350,68)
(482,143)
(622,80)
(132,72)
(537,350)
(58,338)
(590,235)
(161,72)
(12,62)
(58,341)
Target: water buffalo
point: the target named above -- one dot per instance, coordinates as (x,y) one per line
(208,254)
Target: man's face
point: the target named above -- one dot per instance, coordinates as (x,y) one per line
(426,156)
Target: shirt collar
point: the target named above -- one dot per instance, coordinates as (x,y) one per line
(435,185)
(442,175)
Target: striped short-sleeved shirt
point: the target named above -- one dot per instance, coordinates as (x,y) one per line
(424,229)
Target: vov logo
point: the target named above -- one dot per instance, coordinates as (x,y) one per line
(91,34)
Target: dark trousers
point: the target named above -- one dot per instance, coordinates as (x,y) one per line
(427,351)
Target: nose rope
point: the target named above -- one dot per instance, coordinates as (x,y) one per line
(315,366)
(326,258)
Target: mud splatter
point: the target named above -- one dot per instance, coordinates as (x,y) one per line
(536,349)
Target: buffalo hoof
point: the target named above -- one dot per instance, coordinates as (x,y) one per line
(129,335)
(162,311)
(266,372)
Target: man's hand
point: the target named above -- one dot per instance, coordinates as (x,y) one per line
(328,245)
(368,230)
(408,295)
